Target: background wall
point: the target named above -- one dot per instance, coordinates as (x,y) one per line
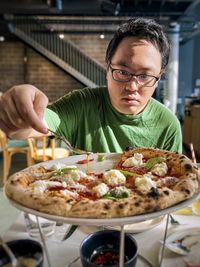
(21,64)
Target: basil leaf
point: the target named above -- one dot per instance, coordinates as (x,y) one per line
(116,194)
(63,171)
(153,161)
(108,196)
(101,157)
(127,173)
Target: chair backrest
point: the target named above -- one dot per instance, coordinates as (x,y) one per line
(9,148)
(3,140)
(6,143)
(41,148)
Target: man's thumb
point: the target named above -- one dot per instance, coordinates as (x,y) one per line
(40,103)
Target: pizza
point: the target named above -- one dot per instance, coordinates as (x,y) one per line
(138,181)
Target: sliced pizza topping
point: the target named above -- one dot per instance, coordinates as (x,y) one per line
(100,189)
(136,161)
(119,192)
(160,169)
(63,179)
(73,174)
(40,186)
(70,193)
(128,173)
(64,170)
(153,161)
(60,166)
(78,187)
(101,157)
(145,183)
(76,175)
(114,177)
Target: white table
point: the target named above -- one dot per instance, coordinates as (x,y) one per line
(64,252)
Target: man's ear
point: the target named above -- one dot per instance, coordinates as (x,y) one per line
(107,72)
(162,74)
(106,75)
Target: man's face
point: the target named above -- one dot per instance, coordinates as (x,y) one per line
(136,56)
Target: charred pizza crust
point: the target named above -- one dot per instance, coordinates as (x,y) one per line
(18,189)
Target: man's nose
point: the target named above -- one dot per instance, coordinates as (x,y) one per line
(133,85)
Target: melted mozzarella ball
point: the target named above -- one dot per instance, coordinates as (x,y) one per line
(114,177)
(120,191)
(79,187)
(144,183)
(40,186)
(59,166)
(67,192)
(160,169)
(135,161)
(100,189)
(64,179)
(76,175)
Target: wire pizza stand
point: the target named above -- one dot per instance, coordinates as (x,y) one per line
(122,221)
(111,159)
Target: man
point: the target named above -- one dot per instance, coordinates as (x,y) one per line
(105,119)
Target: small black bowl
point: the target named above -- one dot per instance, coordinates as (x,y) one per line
(23,247)
(107,243)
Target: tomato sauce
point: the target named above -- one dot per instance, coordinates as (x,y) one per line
(87,195)
(56,188)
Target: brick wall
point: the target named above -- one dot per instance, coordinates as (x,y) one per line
(11,64)
(21,64)
(48,77)
(91,45)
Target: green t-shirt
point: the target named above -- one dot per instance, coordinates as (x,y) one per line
(88,120)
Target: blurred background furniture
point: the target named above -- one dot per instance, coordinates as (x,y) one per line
(45,148)
(191,128)
(9,148)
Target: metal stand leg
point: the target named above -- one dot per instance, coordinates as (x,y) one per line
(43,242)
(121,252)
(164,241)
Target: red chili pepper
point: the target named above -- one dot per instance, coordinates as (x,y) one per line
(106,257)
(84,161)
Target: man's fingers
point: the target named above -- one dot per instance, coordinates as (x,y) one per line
(31,109)
(40,103)
(22,107)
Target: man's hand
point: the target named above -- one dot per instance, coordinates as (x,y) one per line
(22,107)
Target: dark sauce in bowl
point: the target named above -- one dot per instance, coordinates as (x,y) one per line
(106,257)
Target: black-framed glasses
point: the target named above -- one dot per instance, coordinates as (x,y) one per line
(143,80)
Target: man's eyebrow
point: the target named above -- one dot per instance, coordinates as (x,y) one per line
(121,63)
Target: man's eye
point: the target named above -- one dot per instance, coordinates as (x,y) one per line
(124,73)
(144,76)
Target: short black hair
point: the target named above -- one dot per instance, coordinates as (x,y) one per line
(143,28)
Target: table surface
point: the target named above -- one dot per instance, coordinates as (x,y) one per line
(63,252)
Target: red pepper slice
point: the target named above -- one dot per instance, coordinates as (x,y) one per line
(84,161)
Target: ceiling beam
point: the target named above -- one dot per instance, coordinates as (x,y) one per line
(136,2)
(190,36)
(163,2)
(192,6)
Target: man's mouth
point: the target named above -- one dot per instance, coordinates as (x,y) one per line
(130,98)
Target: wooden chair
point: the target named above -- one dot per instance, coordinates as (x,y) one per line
(9,148)
(45,148)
